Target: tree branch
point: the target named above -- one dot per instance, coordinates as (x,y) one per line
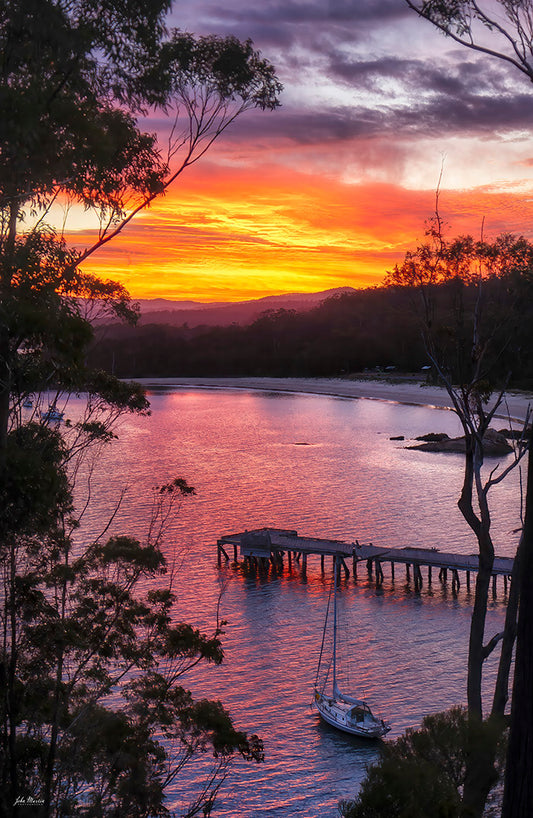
(489,647)
(523,67)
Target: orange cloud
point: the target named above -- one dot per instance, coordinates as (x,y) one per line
(230,233)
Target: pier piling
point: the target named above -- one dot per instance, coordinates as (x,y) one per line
(266,547)
(417,576)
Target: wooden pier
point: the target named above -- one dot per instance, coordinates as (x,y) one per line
(270,546)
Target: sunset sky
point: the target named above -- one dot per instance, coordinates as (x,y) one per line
(332,188)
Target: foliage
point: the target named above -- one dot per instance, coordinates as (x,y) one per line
(422,774)
(504,29)
(449,284)
(473,345)
(76,75)
(476,334)
(94,714)
(65,66)
(344,334)
(75,80)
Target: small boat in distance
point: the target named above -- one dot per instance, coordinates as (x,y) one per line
(346,713)
(52,413)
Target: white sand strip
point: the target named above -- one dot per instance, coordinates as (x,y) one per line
(395,390)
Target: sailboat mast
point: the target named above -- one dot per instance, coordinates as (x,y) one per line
(334,624)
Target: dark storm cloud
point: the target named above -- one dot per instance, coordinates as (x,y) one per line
(345,11)
(429,75)
(469,116)
(401,97)
(416,116)
(280,23)
(330,42)
(318,128)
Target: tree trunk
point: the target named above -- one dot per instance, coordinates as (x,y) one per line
(480,525)
(5,389)
(6,270)
(10,691)
(480,771)
(475,646)
(501,690)
(479,780)
(518,792)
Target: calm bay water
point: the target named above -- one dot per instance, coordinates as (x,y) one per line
(325,467)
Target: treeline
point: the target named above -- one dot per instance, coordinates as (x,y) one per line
(345,333)
(371,328)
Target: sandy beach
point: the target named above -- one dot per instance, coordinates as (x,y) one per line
(394,389)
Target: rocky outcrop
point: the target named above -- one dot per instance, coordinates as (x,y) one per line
(516,434)
(494,444)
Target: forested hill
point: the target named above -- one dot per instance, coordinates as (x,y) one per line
(346,333)
(222,314)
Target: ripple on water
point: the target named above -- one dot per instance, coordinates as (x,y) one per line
(407,649)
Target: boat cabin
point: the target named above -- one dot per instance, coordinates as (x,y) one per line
(359,713)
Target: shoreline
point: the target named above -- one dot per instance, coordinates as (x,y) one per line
(392,390)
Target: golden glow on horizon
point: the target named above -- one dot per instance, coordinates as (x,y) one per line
(230,234)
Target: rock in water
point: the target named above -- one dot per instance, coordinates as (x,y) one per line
(494,444)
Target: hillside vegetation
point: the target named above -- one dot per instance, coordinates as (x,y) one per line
(346,333)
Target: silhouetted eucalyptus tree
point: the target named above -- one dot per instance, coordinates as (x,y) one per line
(76,77)
(94,714)
(472,346)
(503,29)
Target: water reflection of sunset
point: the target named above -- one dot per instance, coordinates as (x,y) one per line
(408,648)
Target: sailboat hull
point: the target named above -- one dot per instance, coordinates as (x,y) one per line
(344,712)
(356,720)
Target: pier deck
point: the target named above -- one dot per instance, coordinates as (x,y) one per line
(270,545)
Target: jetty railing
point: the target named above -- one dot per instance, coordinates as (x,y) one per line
(269,546)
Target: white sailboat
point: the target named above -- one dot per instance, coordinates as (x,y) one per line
(346,713)
(52,413)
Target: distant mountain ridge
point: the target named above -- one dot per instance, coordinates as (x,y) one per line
(197,313)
